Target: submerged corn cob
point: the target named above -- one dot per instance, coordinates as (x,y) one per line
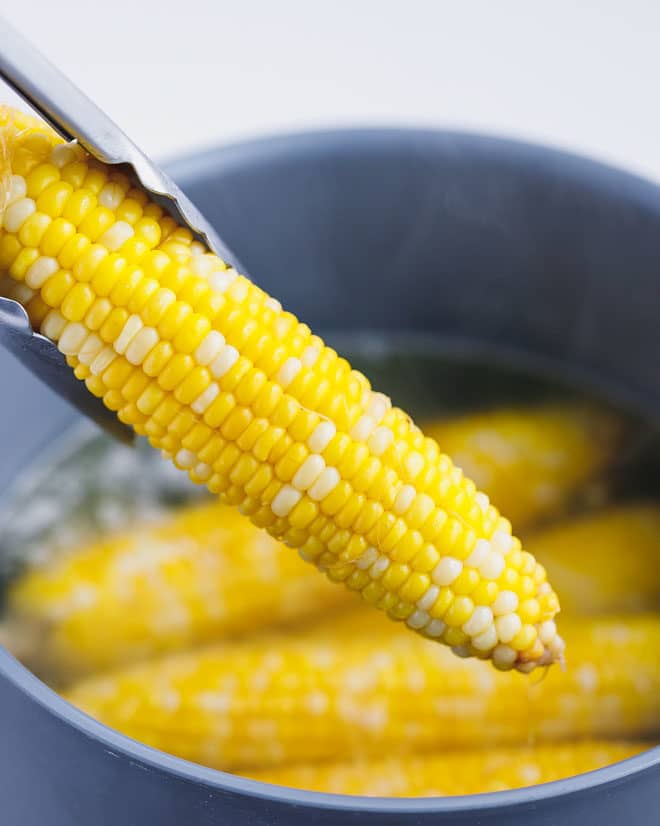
(454,773)
(242,396)
(200,574)
(532,462)
(606,561)
(355,688)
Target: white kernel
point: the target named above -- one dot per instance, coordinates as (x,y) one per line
(205,399)
(446,571)
(310,355)
(197,249)
(63,154)
(224,362)
(203,471)
(481,619)
(16,214)
(526,668)
(435,628)
(481,550)
(209,347)
(461,651)
(53,324)
(116,236)
(363,428)
(502,542)
(111,196)
(288,371)
(414,463)
(486,640)
(220,280)
(71,338)
(492,566)
(185,458)
(325,484)
(429,599)
(504,656)
(507,626)
(273,304)
(285,501)
(21,293)
(379,567)
(483,501)
(367,559)
(90,349)
(378,406)
(238,290)
(17,189)
(102,361)
(506,602)
(418,619)
(404,499)
(202,265)
(547,631)
(321,437)
(141,345)
(380,440)
(309,472)
(41,271)
(130,329)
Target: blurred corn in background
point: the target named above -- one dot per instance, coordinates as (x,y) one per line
(604,561)
(464,772)
(202,573)
(533,462)
(358,687)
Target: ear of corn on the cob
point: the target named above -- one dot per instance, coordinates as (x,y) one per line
(244,398)
(201,574)
(454,773)
(532,462)
(605,561)
(353,688)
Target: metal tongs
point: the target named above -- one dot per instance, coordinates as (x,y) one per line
(75,117)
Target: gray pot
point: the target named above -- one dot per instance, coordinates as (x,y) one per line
(486,244)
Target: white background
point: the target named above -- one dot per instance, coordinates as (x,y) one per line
(178,74)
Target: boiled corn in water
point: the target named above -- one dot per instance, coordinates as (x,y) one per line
(249,402)
(355,687)
(464,772)
(201,574)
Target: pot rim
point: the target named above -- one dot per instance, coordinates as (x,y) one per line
(263,150)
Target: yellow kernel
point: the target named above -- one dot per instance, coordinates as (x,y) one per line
(529,611)
(159,356)
(454,636)
(56,288)
(173,319)
(9,249)
(77,302)
(219,410)
(58,234)
(459,612)
(485,593)
(524,639)
(193,385)
(117,374)
(176,370)
(80,204)
(243,470)
(303,513)
(466,581)
(156,306)
(72,250)
(113,325)
(336,500)
(88,263)
(426,559)
(191,333)
(126,285)
(372,592)
(22,263)
(414,587)
(53,198)
(287,467)
(408,546)
(34,229)
(236,423)
(526,587)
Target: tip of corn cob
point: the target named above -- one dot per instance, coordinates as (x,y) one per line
(241,396)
